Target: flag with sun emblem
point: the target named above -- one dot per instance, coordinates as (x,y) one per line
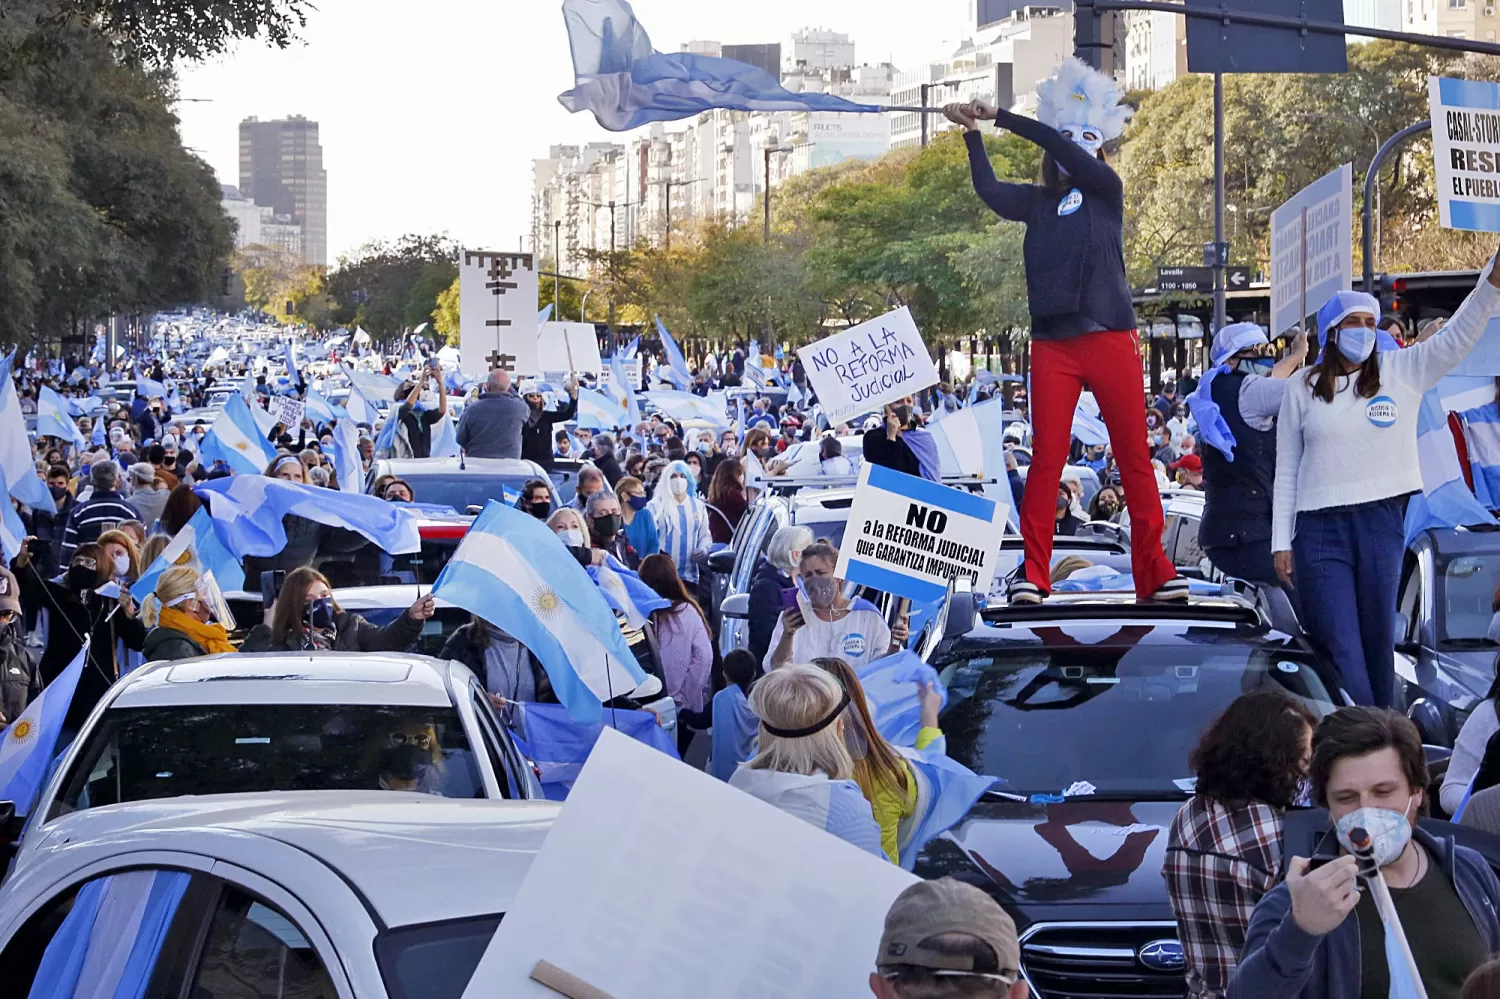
(28,743)
(512,571)
(236,439)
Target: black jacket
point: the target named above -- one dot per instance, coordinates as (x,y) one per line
(461,647)
(352,633)
(895,454)
(1075,262)
(765,605)
(536,432)
(169,643)
(1237,494)
(610,468)
(20,679)
(305,540)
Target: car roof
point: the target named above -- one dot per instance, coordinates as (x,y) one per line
(408,468)
(288,678)
(1452,541)
(402,595)
(414,858)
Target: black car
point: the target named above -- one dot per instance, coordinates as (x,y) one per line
(1087,707)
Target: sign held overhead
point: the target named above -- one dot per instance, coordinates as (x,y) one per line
(1465,118)
(1312,248)
(866,366)
(496,312)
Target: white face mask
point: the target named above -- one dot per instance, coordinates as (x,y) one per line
(122,564)
(1389,830)
(571,536)
(678,486)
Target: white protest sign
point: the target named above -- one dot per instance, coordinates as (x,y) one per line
(632,374)
(1466,152)
(565,347)
(866,366)
(286,411)
(911,536)
(497,324)
(754,902)
(1312,248)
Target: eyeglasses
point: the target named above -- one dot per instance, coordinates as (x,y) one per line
(420,740)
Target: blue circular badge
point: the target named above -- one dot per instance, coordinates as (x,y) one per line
(1381,411)
(854,644)
(1071,202)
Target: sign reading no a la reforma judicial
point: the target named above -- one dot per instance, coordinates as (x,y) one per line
(1466,152)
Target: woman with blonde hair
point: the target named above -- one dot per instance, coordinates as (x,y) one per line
(179,618)
(154,546)
(573,531)
(121,556)
(884,776)
(804,767)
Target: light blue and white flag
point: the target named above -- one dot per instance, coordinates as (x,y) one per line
(15,447)
(1446,500)
(87,406)
(558,744)
(626,593)
(12,530)
(622,391)
(1088,427)
(248,509)
(597,411)
(291,361)
(893,687)
(445,438)
(198,538)
(385,442)
(677,370)
(686,406)
(148,388)
(237,440)
(626,83)
(53,419)
(511,570)
(545,315)
(374,387)
(27,745)
(632,349)
(321,411)
(359,408)
(347,463)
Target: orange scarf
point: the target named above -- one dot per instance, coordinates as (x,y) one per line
(211,636)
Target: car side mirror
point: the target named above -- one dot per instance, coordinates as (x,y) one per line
(1400,623)
(736,606)
(721,561)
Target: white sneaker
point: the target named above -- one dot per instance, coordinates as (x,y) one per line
(1022,591)
(1172,589)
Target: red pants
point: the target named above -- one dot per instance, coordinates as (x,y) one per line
(1110,364)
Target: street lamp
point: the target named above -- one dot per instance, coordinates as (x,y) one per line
(771,148)
(557,266)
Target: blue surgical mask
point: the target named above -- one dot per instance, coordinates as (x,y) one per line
(1256,365)
(1356,343)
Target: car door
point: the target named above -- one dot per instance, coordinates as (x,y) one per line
(160,933)
(516,774)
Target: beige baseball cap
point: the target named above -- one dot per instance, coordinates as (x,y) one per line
(931,908)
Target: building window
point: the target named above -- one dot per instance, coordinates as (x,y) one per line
(1456,4)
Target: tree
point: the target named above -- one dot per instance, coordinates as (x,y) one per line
(387,287)
(445,314)
(159,32)
(275,279)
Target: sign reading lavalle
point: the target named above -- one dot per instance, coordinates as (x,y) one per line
(1466,152)
(866,366)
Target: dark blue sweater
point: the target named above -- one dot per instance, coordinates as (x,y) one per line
(1075,262)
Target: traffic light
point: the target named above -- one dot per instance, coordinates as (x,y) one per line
(1389,289)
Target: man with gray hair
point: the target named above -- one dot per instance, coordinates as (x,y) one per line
(100,512)
(607,528)
(491,426)
(946,939)
(147,494)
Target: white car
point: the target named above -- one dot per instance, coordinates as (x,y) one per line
(306,895)
(275,722)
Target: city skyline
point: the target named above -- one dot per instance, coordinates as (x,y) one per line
(464,127)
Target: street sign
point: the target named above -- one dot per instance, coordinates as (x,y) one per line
(1222,45)
(1238,278)
(1184,279)
(1312,249)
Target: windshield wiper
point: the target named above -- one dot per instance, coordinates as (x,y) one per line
(1469,643)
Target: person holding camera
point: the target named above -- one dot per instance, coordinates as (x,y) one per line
(419,412)
(304,617)
(886,444)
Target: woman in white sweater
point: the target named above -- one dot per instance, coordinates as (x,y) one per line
(1346,461)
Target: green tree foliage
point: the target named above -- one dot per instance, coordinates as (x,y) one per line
(386,287)
(275,279)
(101,209)
(445,314)
(161,31)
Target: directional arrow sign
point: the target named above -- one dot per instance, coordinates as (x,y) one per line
(1239,278)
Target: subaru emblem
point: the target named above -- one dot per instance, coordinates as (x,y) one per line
(1162,955)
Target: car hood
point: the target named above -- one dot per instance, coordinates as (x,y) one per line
(1038,859)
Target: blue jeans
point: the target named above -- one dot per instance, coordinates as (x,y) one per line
(1347,561)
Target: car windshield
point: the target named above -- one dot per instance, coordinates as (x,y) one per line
(464,489)
(143,753)
(1107,719)
(832,530)
(1466,598)
(371,566)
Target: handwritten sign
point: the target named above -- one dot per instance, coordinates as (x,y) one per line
(1466,152)
(286,411)
(1312,248)
(866,366)
(497,322)
(911,536)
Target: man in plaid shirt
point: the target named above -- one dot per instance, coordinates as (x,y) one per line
(1224,848)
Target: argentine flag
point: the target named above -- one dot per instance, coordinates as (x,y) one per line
(15,447)
(677,372)
(148,388)
(28,744)
(622,391)
(346,460)
(625,592)
(199,538)
(12,530)
(598,412)
(53,418)
(236,439)
(359,408)
(445,438)
(511,570)
(686,406)
(321,411)
(1446,500)
(248,512)
(291,362)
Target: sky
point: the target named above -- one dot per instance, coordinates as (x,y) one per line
(431,112)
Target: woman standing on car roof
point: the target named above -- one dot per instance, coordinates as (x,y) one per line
(1082,317)
(1347,462)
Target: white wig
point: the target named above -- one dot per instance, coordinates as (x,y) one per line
(1078,95)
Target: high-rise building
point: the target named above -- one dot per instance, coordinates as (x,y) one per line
(281,167)
(766,57)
